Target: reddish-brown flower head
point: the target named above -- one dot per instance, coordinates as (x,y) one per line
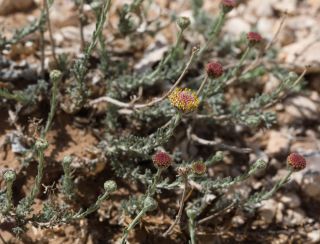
(161,159)
(214,69)
(199,168)
(228,5)
(296,161)
(254,37)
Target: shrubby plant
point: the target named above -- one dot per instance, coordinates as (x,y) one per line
(195,98)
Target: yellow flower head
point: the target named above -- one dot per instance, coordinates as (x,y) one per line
(185,99)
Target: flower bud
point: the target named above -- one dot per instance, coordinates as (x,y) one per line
(218,156)
(199,168)
(228,5)
(183,22)
(150,204)
(55,75)
(296,162)
(9,175)
(191,213)
(161,160)
(41,144)
(66,161)
(254,38)
(214,69)
(110,186)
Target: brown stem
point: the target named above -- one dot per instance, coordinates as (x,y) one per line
(157,100)
(178,217)
(53,49)
(81,22)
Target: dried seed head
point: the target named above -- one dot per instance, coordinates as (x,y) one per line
(254,38)
(296,162)
(183,22)
(199,168)
(228,5)
(214,69)
(161,160)
(184,99)
(183,171)
(110,186)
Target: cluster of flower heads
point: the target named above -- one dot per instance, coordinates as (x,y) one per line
(296,162)
(185,99)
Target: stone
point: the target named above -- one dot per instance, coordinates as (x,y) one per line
(236,26)
(278,143)
(291,200)
(310,184)
(11,6)
(314,236)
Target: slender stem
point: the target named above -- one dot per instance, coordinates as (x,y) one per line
(53,103)
(150,192)
(178,217)
(214,34)
(42,55)
(277,186)
(204,82)
(243,57)
(92,208)
(36,188)
(132,225)
(9,203)
(81,23)
(192,231)
(156,178)
(53,50)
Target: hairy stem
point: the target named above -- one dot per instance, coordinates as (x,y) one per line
(214,34)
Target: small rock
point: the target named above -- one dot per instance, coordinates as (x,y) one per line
(314,236)
(10,6)
(289,6)
(294,217)
(265,26)
(300,107)
(291,200)
(310,184)
(277,143)
(261,8)
(302,53)
(268,211)
(236,26)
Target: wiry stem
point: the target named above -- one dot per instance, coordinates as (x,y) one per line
(53,50)
(214,34)
(155,101)
(81,23)
(178,217)
(150,192)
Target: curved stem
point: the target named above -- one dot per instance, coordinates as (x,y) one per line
(178,217)
(132,225)
(214,33)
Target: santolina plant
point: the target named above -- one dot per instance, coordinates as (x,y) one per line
(191,104)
